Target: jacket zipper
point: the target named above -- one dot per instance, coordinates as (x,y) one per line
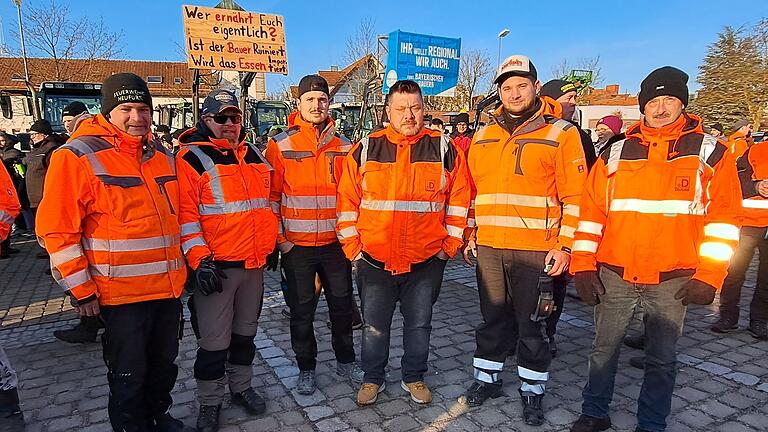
(167,198)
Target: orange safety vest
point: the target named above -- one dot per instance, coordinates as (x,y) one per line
(224,209)
(111,225)
(9,203)
(738,144)
(661,203)
(753,167)
(527,184)
(403,199)
(304,181)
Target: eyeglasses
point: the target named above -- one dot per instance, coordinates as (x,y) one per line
(222,118)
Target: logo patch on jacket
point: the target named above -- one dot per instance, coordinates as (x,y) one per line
(430,186)
(682,184)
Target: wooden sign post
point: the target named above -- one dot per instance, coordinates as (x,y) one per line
(223,39)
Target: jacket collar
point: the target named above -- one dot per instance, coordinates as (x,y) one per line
(202,135)
(99,126)
(685,124)
(308,129)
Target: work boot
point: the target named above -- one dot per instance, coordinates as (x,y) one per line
(306,383)
(758,329)
(286,313)
(351,371)
(636,342)
(11,417)
(725,325)
(166,423)
(637,362)
(84,332)
(250,400)
(369,393)
(587,423)
(208,418)
(479,392)
(533,413)
(418,390)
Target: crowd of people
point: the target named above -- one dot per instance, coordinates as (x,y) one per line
(646,219)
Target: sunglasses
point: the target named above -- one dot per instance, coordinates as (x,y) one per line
(222,118)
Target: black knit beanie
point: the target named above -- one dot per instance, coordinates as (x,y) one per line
(664,81)
(123,88)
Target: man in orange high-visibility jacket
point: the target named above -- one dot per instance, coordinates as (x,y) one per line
(227,231)
(112,232)
(402,209)
(525,211)
(753,176)
(307,159)
(659,222)
(741,138)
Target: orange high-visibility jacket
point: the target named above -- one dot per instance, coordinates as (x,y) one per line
(660,203)
(527,184)
(402,199)
(304,181)
(753,168)
(738,144)
(9,203)
(109,217)
(224,205)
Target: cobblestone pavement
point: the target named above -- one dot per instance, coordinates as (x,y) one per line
(722,384)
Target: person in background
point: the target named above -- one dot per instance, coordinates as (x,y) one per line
(73,114)
(716,130)
(11,158)
(437,125)
(606,128)
(462,136)
(741,138)
(752,167)
(565,93)
(44,142)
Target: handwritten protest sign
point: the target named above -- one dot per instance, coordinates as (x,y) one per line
(224,39)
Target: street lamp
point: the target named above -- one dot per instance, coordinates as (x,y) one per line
(35,109)
(502,35)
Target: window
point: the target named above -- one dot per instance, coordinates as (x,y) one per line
(154,79)
(178,80)
(17,77)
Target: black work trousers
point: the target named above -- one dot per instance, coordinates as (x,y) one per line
(301,264)
(141,342)
(751,238)
(508,283)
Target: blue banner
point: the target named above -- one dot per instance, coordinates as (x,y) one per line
(431,61)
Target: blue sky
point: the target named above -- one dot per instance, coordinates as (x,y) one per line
(631,37)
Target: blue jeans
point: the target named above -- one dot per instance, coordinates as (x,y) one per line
(663,319)
(380,291)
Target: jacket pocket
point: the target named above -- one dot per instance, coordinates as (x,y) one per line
(163,184)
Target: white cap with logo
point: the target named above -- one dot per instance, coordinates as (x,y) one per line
(515,65)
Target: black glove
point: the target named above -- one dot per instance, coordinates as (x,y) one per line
(589,286)
(272,259)
(208,278)
(696,292)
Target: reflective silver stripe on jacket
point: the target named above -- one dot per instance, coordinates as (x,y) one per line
(403,206)
(234,207)
(137,270)
(130,245)
(66,255)
(312,202)
(310,226)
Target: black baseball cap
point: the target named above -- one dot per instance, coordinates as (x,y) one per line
(219,100)
(313,83)
(74,109)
